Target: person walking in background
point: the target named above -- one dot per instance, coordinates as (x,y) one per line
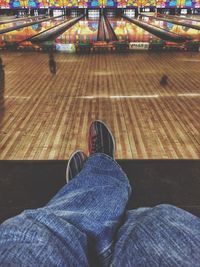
(52,64)
(2,75)
(2,88)
(87,222)
(164,80)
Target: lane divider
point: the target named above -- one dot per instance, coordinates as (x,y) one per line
(52,33)
(26,25)
(159,32)
(24,18)
(185,24)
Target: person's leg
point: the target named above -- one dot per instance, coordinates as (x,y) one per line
(84,214)
(86,211)
(54,67)
(163,236)
(50,67)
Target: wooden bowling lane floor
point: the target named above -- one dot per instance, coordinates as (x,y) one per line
(47,117)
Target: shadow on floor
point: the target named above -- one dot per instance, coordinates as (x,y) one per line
(30,184)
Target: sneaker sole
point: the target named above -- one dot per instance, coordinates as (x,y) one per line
(70,158)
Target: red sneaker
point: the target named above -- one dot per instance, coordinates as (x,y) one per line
(101,139)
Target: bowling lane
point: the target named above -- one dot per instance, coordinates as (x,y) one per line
(187,17)
(127,31)
(18,36)
(19,22)
(180,30)
(84,31)
(22,19)
(194,17)
(183,19)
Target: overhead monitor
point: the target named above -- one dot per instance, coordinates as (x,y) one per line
(70,3)
(171,3)
(55,3)
(146,3)
(132,3)
(16,4)
(188,3)
(197,4)
(161,3)
(5,3)
(43,3)
(111,3)
(30,3)
(98,3)
(93,3)
(82,3)
(123,3)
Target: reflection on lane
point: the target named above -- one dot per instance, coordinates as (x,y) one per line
(194,17)
(127,31)
(84,31)
(183,19)
(19,35)
(191,22)
(180,30)
(22,19)
(19,23)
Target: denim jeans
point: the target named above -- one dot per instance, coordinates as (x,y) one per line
(87,224)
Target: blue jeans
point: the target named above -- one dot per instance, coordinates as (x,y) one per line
(87,224)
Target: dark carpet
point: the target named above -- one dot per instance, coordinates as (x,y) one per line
(30,184)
